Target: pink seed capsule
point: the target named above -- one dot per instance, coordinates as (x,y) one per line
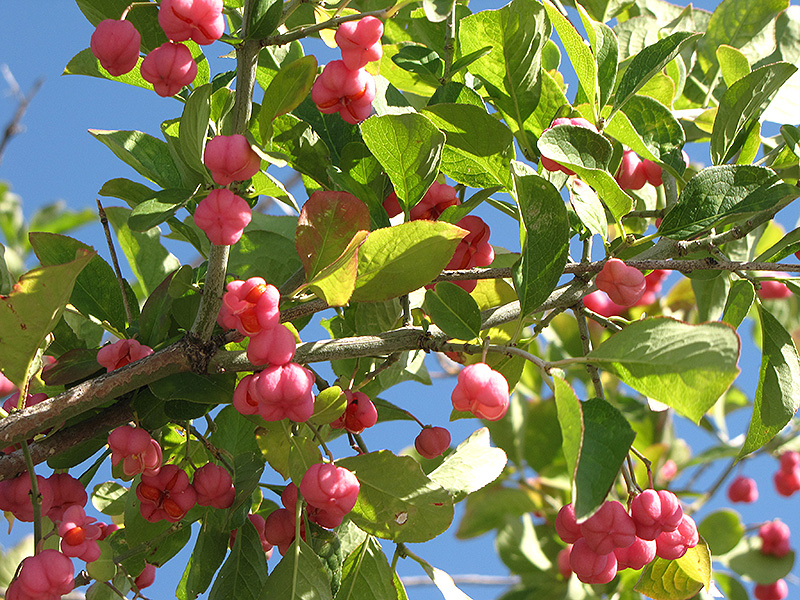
(775,538)
(284,392)
(609,528)
(329,487)
(360,41)
(630,175)
(170,68)
(348,92)
(214,486)
(655,512)
(116,46)
(198,20)
(230,158)
(222,215)
(359,414)
(743,489)
(567,526)
(674,544)
(482,391)
(432,442)
(590,566)
(624,285)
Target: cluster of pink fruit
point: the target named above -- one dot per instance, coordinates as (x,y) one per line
(345,86)
(169,67)
(474,249)
(634,172)
(62,499)
(621,286)
(223,215)
(612,540)
(787,477)
(774,542)
(330,492)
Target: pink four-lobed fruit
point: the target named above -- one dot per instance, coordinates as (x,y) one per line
(772,591)
(198,20)
(230,158)
(222,215)
(635,556)
(350,93)
(359,414)
(630,175)
(743,489)
(787,478)
(279,528)
(146,578)
(652,172)
(438,197)
(46,576)
(79,534)
(214,486)
(432,441)
(591,567)
(116,46)
(474,249)
(482,391)
(775,538)
(674,544)
(566,524)
(274,346)
(773,290)
(562,560)
(250,306)
(277,393)
(552,165)
(138,452)
(609,528)
(15,496)
(360,41)
(624,285)
(331,488)
(655,512)
(121,353)
(170,68)
(167,495)
(66,491)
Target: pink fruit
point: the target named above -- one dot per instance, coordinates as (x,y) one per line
(474,249)
(652,287)
(630,175)
(279,529)
(624,285)
(668,470)
(609,528)
(222,215)
(743,489)
(67,491)
(790,460)
(170,68)
(320,516)
(360,42)
(245,396)
(567,526)
(250,306)
(600,303)
(79,534)
(438,197)
(121,353)
(652,172)
(637,555)
(432,442)
(359,414)
(787,482)
(482,391)
(775,538)
(15,496)
(6,386)
(552,165)
(563,562)
(116,46)
(106,530)
(199,20)
(773,591)
(46,576)
(773,290)
(331,488)
(230,158)
(674,544)
(655,512)
(284,392)
(591,567)
(274,346)
(214,486)
(167,495)
(146,578)
(339,89)
(138,452)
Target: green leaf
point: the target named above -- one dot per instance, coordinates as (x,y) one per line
(96,291)
(490,507)
(367,575)
(742,102)
(334,131)
(86,63)
(149,156)
(194,127)
(740,299)
(778,394)
(677,579)
(519,547)
(419,59)
(570,418)
(588,154)
(243,575)
(397,501)
(718,193)
(397,260)
(687,367)
(649,61)
(478,149)
(473,465)
(329,405)
(286,91)
(579,54)
(202,389)
(654,124)
(109,498)
(264,254)
(208,554)
(735,23)
(295,142)
(130,191)
(730,586)
(454,311)
(409,147)
(747,560)
(159,208)
(546,242)
(510,72)
(145,18)
(605,441)
(586,204)
(32,310)
(299,576)
(437,10)
(733,64)
(265,15)
(721,530)
(606,54)
(149,260)
(336,282)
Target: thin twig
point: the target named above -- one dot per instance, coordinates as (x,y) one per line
(583,330)
(109,240)
(14,126)
(36,498)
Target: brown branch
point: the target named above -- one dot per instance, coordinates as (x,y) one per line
(13,128)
